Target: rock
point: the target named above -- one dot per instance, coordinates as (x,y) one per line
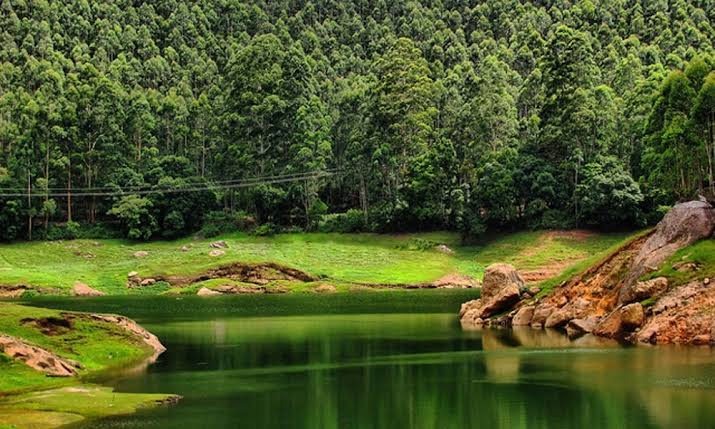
(147,282)
(562,301)
(541,313)
(185,248)
(632,316)
(141,254)
(685,267)
(645,290)
(706,281)
(683,225)
(204,291)
(221,244)
(560,317)
(701,340)
(442,248)
(133,327)
(467,306)
(37,358)
(132,274)
(82,289)
(523,316)
(456,281)
(611,326)
(579,327)
(534,290)
(500,290)
(497,276)
(216,252)
(325,288)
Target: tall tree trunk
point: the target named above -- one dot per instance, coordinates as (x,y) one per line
(69,191)
(29,206)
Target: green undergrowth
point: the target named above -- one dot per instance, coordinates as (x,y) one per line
(701,253)
(340,258)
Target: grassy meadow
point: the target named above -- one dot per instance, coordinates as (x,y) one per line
(339,258)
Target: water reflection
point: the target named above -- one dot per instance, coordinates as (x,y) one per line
(414,371)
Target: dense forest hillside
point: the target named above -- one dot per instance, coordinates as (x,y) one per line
(351,115)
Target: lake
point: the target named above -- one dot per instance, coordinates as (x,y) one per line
(392,360)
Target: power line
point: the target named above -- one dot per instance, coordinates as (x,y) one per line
(245,183)
(23,190)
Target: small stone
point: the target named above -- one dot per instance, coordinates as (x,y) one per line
(217,252)
(207,292)
(706,281)
(221,244)
(442,248)
(148,282)
(132,274)
(185,248)
(534,290)
(325,288)
(82,289)
(562,301)
(141,254)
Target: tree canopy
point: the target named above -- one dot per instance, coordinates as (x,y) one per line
(464,115)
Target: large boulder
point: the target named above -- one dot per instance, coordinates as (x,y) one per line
(579,327)
(632,316)
(682,226)
(497,277)
(500,290)
(523,316)
(645,289)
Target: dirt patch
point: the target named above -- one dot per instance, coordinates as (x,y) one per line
(51,326)
(546,272)
(571,234)
(456,281)
(7,291)
(259,274)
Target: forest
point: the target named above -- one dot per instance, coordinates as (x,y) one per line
(156,119)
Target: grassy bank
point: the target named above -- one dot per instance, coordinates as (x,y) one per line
(96,345)
(342,258)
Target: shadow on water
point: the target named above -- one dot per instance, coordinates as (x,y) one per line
(417,370)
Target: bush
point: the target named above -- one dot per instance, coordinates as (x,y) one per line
(221,222)
(265,230)
(68,231)
(351,221)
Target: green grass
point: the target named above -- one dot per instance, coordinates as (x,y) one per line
(342,258)
(67,405)
(25,400)
(701,253)
(96,345)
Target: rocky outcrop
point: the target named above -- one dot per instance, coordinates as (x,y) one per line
(501,289)
(685,315)
(221,244)
(38,358)
(134,328)
(609,299)
(82,289)
(682,226)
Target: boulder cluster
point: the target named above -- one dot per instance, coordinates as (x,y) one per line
(608,300)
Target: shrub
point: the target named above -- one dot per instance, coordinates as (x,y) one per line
(351,221)
(221,222)
(265,230)
(67,231)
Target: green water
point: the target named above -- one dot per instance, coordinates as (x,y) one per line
(254,363)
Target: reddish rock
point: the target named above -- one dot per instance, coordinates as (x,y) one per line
(541,313)
(523,316)
(37,358)
(644,290)
(611,326)
(579,327)
(632,316)
(500,290)
(82,289)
